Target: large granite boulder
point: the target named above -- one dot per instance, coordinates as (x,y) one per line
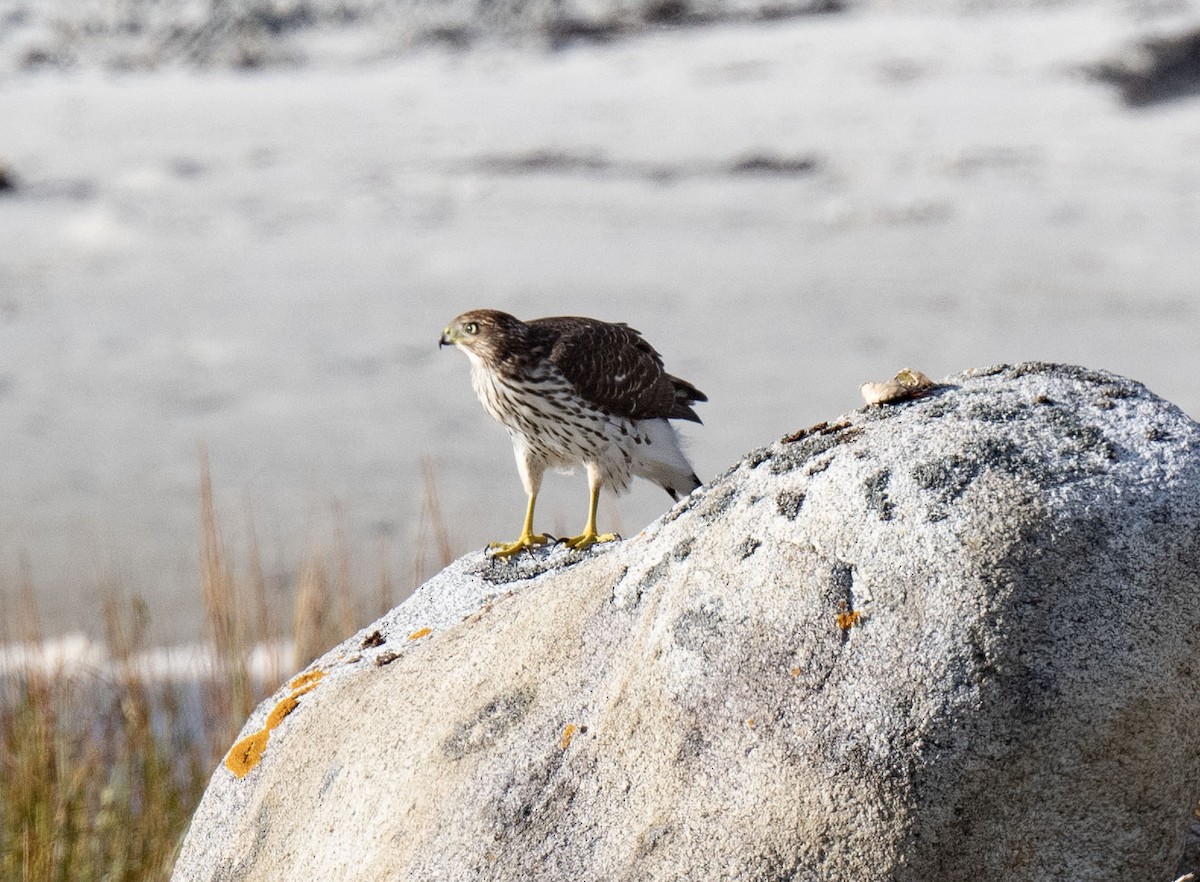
(951,639)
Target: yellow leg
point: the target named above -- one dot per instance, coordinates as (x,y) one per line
(589,536)
(526,540)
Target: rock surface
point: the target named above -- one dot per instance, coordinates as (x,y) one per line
(951,639)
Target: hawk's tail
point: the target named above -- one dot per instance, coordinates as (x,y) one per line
(693,482)
(662,460)
(685,396)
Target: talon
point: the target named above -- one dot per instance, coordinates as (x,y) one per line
(509,549)
(589,538)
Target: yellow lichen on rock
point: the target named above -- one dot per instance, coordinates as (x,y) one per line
(281,710)
(423,632)
(245,755)
(568,734)
(847,620)
(306,682)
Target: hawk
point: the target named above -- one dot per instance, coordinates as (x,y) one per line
(573,390)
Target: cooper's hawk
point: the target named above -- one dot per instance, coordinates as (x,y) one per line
(576,390)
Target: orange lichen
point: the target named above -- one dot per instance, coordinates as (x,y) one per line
(750,723)
(281,710)
(417,635)
(306,682)
(847,620)
(247,753)
(795,672)
(568,734)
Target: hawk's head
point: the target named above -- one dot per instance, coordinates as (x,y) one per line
(488,335)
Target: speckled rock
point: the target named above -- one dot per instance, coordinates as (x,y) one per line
(953,639)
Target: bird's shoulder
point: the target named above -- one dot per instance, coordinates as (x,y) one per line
(610,365)
(577,336)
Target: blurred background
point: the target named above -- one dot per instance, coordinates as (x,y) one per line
(231,232)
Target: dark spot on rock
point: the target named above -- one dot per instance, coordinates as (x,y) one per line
(875,488)
(1087,438)
(755,458)
(1007,456)
(716,502)
(683,549)
(788,503)
(819,466)
(841,583)
(994,410)
(651,838)
(1155,433)
(691,747)
(530,564)
(488,723)
(747,547)
(698,629)
(655,573)
(874,413)
(531,799)
(386,658)
(939,407)
(372,640)
(331,775)
(1120,391)
(949,476)
(841,587)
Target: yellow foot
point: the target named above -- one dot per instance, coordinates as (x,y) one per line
(588,538)
(508,549)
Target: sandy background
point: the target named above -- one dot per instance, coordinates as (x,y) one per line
(261,260)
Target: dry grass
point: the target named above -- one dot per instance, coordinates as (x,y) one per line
(96,781)
(101,768)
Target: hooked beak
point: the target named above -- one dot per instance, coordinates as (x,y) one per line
(448,338)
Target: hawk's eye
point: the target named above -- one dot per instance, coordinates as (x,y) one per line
(471,328)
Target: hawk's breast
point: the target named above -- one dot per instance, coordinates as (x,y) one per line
(542,408)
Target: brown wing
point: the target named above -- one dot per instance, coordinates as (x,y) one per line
(612,366)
